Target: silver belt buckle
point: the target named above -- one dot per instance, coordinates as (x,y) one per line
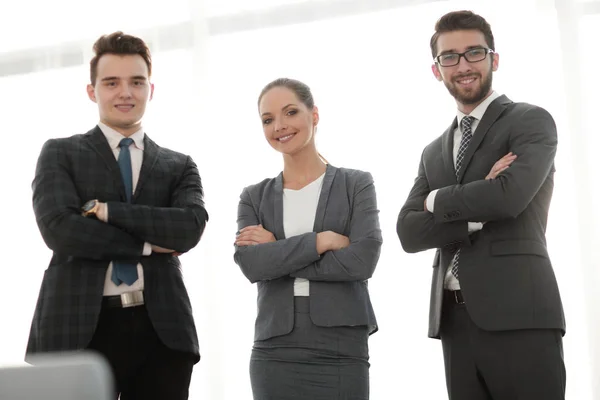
(132,299)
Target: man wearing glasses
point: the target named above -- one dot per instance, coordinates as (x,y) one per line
(481,198)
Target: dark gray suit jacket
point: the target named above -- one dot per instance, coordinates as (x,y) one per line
(167,209)
(338,279)
(505,273)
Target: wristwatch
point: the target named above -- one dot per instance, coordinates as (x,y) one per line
(89,208)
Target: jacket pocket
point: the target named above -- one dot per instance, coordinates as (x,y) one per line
(525,246)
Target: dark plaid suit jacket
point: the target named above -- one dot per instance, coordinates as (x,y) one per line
(167,209)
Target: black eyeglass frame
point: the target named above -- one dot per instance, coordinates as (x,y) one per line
(463,54)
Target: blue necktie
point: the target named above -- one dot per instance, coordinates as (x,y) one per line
(124,271)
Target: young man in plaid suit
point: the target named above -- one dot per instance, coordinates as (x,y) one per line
(116,209)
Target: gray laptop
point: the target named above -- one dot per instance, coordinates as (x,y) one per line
(58,377)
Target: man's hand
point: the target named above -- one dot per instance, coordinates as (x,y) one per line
(330,240)
(501,165)
(254,234)
(102,213)
(158,249)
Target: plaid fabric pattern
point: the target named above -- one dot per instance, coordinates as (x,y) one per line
(167,209)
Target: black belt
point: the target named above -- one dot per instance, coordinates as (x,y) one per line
(129,299)
(453,297)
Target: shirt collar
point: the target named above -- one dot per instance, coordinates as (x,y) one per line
(114,138)
(478,112)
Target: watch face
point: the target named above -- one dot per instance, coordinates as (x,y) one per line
(88,205)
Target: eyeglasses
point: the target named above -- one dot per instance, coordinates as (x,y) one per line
(473,55)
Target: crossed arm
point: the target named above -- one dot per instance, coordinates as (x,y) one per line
(417,228)
(504,193)
(325,256)
(56,205)
(534,141)
(176,228)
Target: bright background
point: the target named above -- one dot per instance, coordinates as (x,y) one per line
(368,64)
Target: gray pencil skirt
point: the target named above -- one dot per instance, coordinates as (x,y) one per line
(311,362)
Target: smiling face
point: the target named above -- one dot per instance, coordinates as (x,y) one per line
(121,90)
(288,124)
(468,82)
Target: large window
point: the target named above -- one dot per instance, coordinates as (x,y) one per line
(32,24)
(585,157)
(379,105)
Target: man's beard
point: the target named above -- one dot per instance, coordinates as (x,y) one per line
(473,97)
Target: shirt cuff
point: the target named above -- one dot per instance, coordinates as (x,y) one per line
(147,249)
(431,200)
(474,226)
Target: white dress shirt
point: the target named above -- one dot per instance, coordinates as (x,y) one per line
(137,155)
(299,211)
(450,281)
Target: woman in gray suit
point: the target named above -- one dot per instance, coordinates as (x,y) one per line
(310,239)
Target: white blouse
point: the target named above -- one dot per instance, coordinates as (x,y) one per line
(299,210)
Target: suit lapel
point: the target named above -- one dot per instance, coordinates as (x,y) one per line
(151,151)
(494,110)
(278,207)
(100,146)
(448,150)
(324,197)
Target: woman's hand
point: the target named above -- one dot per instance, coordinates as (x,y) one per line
(330,240)
(253,234)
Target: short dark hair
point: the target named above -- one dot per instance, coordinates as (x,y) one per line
(119,43)
(458,21)
(301,90)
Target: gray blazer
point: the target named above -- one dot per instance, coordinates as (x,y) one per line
(506,276)
(338,293)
